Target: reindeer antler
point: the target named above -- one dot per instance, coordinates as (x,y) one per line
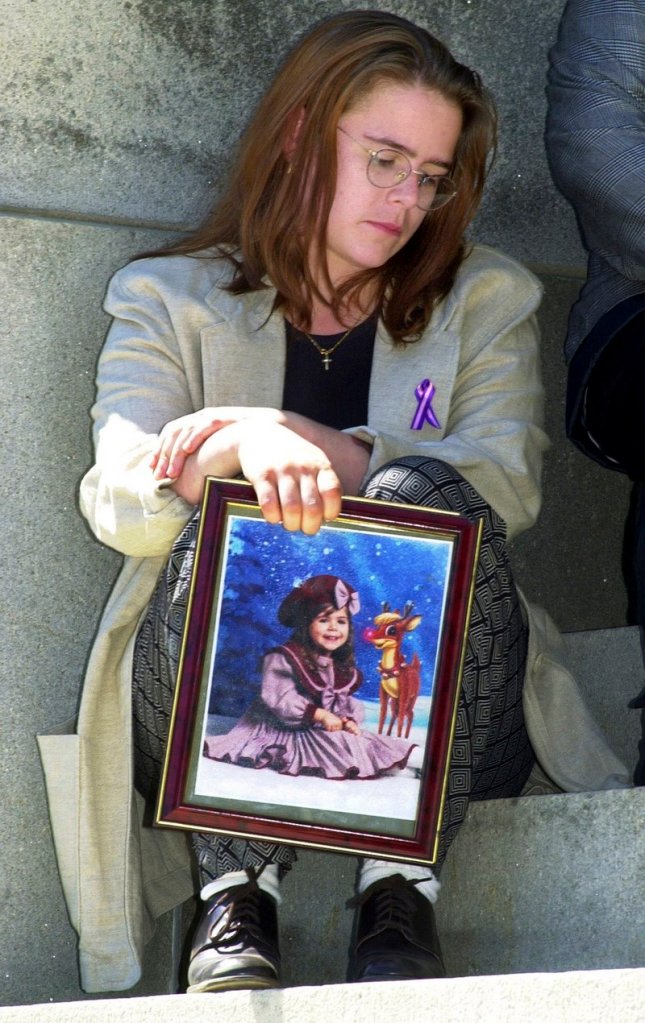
(408,608)
(385,605)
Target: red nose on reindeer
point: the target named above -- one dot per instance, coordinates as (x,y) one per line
(391,626)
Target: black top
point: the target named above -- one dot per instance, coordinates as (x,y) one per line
(336,396)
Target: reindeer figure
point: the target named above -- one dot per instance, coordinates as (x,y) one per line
(400,681)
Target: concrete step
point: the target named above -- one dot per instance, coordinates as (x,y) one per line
(546,883)
(550,998)
(537,884)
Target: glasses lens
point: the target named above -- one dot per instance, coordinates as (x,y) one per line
(387,168)
(436,192)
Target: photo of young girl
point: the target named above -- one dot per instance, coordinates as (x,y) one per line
(307,720)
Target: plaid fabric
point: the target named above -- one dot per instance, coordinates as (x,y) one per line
(491,754)
(596,146)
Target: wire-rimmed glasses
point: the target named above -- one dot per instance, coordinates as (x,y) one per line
(387,168)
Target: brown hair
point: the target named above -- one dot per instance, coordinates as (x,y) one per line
(267,220)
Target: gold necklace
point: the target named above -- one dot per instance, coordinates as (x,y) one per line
(326,353)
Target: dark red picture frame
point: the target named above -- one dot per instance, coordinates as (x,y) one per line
(410,542)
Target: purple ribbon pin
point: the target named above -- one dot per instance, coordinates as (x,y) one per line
(424,393)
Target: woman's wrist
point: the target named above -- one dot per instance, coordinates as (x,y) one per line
(349,455)
(217,456)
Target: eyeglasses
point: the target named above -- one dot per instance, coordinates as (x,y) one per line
(387,168)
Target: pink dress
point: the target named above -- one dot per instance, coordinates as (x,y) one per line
(278,730)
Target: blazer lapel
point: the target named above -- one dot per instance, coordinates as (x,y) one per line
(398,372)
(243,350)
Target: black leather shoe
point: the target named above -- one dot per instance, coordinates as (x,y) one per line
(394,935)
(235,945)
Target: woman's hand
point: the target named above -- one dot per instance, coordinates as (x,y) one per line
(299,468)
(294,481)
(330,722)
(293,478)
(182,437)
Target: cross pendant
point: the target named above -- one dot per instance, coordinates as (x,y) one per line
(326,360)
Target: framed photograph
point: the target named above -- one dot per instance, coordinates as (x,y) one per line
(319,676)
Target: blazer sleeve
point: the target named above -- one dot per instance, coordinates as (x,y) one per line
(595,131)
(493,434)
(141,385)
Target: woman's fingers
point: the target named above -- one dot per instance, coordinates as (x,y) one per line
(168,458)
(168,462)
(291,504)
(268,499)
(330,492)
(175,445)
(293,480)
(300,501)
(307,499)
(320,497)
(290,500)
(182,437)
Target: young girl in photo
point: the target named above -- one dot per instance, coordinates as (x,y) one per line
(307,720)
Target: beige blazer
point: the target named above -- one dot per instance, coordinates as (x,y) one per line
(179,343)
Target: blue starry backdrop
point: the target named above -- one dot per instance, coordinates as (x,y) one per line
(264,562)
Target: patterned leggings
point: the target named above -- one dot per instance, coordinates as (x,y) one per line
(491,755)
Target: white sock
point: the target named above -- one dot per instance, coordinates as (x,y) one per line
(370,871)
(267,881)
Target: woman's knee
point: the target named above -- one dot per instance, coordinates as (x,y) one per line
(429,482)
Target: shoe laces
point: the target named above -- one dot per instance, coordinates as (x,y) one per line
(394,905)
(238,924)
(240,921)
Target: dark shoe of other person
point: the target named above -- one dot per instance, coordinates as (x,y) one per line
(394,935)
(235,945)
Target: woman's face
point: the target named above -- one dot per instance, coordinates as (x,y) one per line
(368,225)
(329,629)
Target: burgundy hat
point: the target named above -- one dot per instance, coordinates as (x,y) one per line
(316,593)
